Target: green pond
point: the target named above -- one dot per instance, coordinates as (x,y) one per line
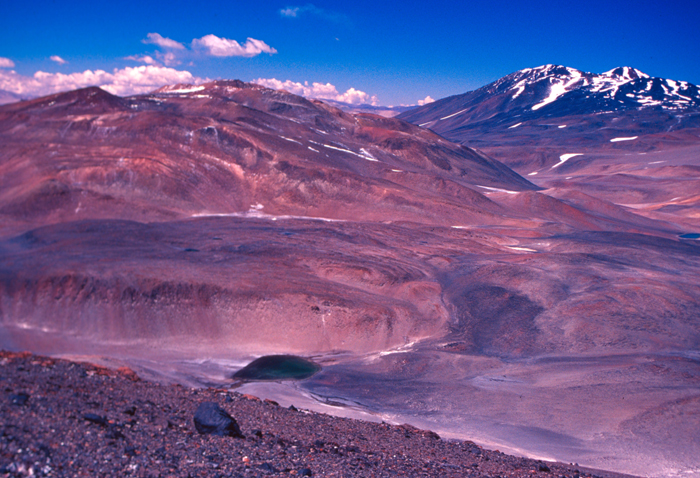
(278,367)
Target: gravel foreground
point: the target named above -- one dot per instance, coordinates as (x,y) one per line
(61,418)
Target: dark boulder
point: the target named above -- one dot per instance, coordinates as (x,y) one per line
(267,468)
(20,398)
(211,419)
(96,419)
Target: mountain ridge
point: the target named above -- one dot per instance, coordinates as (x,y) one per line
(274,149)
(556,90)
(566,129)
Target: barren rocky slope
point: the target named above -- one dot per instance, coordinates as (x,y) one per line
(188,231)
(67,419)
(226,148)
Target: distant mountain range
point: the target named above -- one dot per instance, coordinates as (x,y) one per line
(9,97)
(525,118)
(555,91)
(386,111)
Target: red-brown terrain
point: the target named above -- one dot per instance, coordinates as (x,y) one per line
(66,419)
(188,231)
(620,136)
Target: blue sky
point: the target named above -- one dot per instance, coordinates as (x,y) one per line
(396,52)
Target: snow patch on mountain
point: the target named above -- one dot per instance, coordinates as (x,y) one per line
(564,158)
(179,89)
(453,114)
(363,154)
(290,140)
(617,140)
(559,87)
(497,190)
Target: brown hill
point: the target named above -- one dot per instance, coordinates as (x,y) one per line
(229,148)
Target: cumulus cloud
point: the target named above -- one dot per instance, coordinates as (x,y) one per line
(174,52)
(122,82)
(216,46)
(168,58)
(309,9)
(425,101)
(142,59)
(158,39)
(58,59)
(357,97)
(323,91)
(6,63)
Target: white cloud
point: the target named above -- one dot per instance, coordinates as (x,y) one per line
(357,97)
(168,58)
(58,59)
(296,12)
(425,101)
(157,39)
(142,59)
(290,12)
(319,90)
(216,46)
(6,63)
(174,52)
(123,82)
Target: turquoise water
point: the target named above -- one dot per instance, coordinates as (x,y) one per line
(278,367)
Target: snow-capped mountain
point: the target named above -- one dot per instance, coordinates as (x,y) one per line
(553,90)
(532,117)
(619,88)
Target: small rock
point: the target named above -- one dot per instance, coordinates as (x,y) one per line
(211,419)
(305,472)
(544,467)
(267,468)
(19,399)
(96,419)
(115,434)
(128,374)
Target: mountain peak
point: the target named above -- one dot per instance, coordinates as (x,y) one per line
(625,72)
(556,90)
(550,69)
(185,88)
